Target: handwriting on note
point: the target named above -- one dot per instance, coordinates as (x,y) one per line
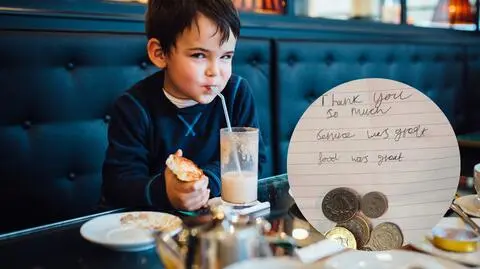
(378,104)
(365,104)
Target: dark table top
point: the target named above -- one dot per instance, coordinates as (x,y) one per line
(60,245)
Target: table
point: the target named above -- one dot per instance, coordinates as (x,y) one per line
(60,245)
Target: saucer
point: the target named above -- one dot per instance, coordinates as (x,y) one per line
(258,208)
(468,204)
(218,200)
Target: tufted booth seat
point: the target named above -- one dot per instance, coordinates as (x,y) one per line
(307,73)
(55,94)
(54,100)
(473,86)
(57,89)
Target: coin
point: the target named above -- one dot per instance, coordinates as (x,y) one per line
(386,236)
(340,204)
(359,228)
(374,204)
(343,236)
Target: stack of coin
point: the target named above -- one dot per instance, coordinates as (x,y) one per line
(359,227)
(351,213)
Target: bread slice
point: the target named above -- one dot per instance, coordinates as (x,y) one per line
(183,168)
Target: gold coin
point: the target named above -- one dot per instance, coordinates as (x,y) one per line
(386,236)
(343,236)
(359,228)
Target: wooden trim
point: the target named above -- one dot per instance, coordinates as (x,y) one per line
(253,25)
(468,143)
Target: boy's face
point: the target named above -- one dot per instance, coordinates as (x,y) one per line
(198,62)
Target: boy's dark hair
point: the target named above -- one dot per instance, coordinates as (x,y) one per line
(165,20)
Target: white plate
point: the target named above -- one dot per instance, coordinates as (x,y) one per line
(393,259)
(472,258)
(469,204)
(270,262)
(133,235)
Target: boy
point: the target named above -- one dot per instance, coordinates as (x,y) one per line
(175,110)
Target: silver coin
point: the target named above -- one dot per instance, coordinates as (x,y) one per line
(374,204)
(340,204)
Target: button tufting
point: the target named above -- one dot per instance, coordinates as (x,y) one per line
(415,58)
(362,59)
(291,60)
(438,58)
(71,175)
(329,59)
(390,59)
(254,61)
(27,124)
(107,118)
(311,97)
(143,65)
(70,65)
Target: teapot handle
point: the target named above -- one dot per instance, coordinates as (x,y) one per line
(192,244)
(279,239)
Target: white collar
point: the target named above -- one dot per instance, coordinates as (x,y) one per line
(180,103)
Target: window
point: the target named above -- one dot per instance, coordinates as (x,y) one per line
(261,6)
(457,14)
(373,10)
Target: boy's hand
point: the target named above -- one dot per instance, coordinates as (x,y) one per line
(186,195)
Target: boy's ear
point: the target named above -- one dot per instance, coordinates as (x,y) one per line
(156,54)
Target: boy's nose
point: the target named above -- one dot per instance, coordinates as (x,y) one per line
(212,70)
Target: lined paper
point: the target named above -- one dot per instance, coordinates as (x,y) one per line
(376,135)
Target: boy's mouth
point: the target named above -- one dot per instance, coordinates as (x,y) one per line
(209,88)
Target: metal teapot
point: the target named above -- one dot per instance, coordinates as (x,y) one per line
(216,241)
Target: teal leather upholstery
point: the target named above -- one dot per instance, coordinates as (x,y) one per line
(307,73)
(472,97)
(55,94)
(57,87)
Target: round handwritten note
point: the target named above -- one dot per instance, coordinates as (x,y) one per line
(376,135)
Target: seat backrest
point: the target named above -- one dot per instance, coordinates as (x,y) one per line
(55,94)
(306,70)
(472,97)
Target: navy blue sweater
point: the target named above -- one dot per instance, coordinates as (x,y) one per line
(146,127)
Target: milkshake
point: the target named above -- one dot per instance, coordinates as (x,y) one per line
(239,188)
(239,165)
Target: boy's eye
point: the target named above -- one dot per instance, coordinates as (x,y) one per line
(227,57)
(198,55)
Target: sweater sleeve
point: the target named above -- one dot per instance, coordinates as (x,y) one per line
(245,114)
(126,174)
(212,171)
